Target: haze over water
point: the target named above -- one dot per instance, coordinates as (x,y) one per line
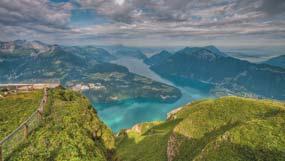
(131,112)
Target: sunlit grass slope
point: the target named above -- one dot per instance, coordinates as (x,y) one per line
(225,129)
(67,132)
(14,109)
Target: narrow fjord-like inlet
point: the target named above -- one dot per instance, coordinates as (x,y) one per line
(131,112)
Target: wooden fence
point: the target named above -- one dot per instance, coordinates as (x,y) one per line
(21,133)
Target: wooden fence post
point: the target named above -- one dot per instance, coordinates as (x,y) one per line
(16,89)
(1,154)
(39,115)
(26,131)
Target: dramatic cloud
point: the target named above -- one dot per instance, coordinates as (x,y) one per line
(145,22)
(273,6)
(182,10)
(34,12)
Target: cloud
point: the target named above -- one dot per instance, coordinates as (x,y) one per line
(34,12)
(129,11)
(273,7)
(145,22)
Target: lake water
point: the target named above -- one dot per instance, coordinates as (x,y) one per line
(131,112)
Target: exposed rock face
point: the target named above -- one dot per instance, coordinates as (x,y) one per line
(172,147)
(136,128)
(171,114)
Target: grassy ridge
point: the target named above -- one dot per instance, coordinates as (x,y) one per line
(67,132)
(14,109)
(224,129)
(229,128)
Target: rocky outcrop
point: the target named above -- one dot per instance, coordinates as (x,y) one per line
(172,147)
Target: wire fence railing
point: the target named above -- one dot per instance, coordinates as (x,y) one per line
(22,132)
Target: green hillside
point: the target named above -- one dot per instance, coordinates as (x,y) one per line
(67,132)
(224,129)
(14,109)
(229,128)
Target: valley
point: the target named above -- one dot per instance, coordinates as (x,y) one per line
(84,69)
(142,80)
(131,112)
(131,88)
(199,124)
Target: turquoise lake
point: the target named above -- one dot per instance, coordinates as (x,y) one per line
(131,112)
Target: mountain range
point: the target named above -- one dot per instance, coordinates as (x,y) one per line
(221,129)
(209,66)
(81,68)
(201,67)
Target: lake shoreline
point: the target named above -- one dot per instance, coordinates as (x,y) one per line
(126,113)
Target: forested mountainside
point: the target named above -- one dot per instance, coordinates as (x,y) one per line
(204,65)
(81,68)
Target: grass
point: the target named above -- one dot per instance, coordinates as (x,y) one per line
(149,144)
(67,132)
(232,128)
(224,129)
(14,109)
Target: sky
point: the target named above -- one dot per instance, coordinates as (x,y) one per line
(229,23)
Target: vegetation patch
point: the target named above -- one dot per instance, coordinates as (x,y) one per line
(224,129)
(71,130)
(15,109)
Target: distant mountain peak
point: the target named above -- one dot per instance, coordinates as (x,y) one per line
(19,41)
(211,47)
(215,50)
(165,52)
(158,58)
(278,61)
(32,47)
(204,50)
